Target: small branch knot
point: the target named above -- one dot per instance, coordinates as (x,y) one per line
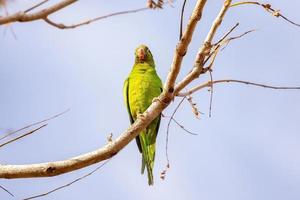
(207,46)
(266,6)
(113,153)
(153,5)
(109,138)
(171,90)
(181,52)
(21,16)
(50,170)
(276,13)
(198,16)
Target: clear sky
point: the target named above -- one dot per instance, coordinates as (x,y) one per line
(249,148)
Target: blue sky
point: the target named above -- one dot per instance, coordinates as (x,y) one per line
(249,148)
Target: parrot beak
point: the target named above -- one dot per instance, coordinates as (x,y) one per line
(141,54)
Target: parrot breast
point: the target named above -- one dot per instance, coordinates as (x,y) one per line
(142,89)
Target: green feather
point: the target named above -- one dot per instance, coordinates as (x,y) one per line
(140,88)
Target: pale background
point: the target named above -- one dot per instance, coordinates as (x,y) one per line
(249,148)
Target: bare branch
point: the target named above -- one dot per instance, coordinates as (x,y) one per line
(181,19)
(168,128)
(226,42)
(228,33)
(181,126)
(209,83)
(204,51)
(7,191)
(268,8)
(35,6)
(194,107)
(21,136)
(211,92)
(182,46)
(26,17)
(163,173)
(62,26)
(78,162)
(68,184)
(33,124)
(44,14)
(217,47)
(171,118)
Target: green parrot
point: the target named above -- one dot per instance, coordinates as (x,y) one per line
(140,88)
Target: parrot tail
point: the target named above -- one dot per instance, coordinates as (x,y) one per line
(143,166)
(148,154)
(149,172)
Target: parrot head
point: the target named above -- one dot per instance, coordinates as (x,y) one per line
(143,55)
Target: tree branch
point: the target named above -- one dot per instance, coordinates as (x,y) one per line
(268,8)
(24,135)
(23,16)
(204,51)
(209,83)
(112,148)
(181,19)
(193,105)
(62,26)
(7,191)
(35,6)
(68,184)
(33,124)
(182,46)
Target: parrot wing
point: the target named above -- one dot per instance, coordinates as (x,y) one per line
(126,99)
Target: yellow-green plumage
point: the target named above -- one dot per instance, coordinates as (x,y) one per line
(140,88)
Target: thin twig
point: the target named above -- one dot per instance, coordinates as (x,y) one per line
(204,50)
(268,8)
(9,26)
(163,173)
(171,118)
(236,37)
(209,83)
(70,183)
(228,33)
(180,125)
(21,16)
(217,47)
(12,32)
(181,49)
(33,124)
(211,92)
(26,134)
(168,128)
(6,190)
(62,26)
(181,19)
(194,107)
(35,6)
